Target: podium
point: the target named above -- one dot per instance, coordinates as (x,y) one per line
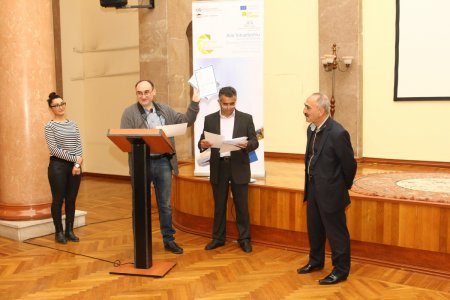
(140,143)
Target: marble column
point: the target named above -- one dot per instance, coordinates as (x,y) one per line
(340,23)
(27,64)
(165,58)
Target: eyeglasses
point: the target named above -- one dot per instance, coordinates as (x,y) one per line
(144,93)
(62,104)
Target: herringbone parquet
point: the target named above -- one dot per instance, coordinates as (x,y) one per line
(41,269)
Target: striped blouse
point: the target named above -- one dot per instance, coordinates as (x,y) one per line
(63,140)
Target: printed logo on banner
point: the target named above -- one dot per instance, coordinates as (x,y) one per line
(204,44)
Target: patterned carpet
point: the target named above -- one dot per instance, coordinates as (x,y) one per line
(433,187)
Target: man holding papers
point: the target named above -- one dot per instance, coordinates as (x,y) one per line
(229,163)
(146,113)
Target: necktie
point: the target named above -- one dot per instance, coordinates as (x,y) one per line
(313,150)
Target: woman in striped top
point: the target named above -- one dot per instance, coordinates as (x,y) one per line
(64,170)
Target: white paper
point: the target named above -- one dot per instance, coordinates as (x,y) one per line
(228,148)
(206,81)
(236,141)
(174,129)
(217,141)
(214,139)
(193,82)
(203,157)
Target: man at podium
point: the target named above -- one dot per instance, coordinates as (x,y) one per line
(147,113)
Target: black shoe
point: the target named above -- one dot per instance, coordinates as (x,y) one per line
(214,244)
(173,247)
(332,279)
(70,236)
(59,238)
(245,246)
(309,268)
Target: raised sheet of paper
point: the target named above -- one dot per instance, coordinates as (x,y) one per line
(206,81)
(174,129)
(193,82)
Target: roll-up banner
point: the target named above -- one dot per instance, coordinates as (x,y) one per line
(228,35)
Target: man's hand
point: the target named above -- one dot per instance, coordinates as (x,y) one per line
(242,145)
(205,144)
(195,96)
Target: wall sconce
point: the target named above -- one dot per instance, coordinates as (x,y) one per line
(330,63)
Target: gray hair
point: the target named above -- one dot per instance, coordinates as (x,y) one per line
(322,101)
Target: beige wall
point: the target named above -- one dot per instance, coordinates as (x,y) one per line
(396,130)
(291,62)
(99,76)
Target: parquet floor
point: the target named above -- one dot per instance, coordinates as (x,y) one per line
(41,269)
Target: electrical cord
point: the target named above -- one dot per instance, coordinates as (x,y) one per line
(115,263)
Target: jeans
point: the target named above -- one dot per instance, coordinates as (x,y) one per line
(161,176)
(64,186)
(160,173)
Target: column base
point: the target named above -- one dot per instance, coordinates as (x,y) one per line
(24,230)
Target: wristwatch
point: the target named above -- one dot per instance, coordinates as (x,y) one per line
(77,165)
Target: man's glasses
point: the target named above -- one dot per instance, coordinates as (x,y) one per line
(62,104)
(144,93)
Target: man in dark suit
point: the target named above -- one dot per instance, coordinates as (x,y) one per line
(230,167)
(330,168)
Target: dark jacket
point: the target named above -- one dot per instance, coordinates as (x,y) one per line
(333,167)
(240,162)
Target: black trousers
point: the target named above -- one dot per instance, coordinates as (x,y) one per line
(64,186)
(240,198)
(331,226)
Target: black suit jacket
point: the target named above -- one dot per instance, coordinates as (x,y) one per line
(240,162)
(333,167)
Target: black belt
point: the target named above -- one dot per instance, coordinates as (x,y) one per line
(225,158)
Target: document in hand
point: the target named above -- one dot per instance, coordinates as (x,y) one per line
(218,141)
(174,129)
(205,81)
(214,139)
(235,141)
(231,145)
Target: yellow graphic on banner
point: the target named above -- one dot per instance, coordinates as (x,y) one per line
(203,44)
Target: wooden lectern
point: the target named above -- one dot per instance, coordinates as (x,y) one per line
(140,143)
